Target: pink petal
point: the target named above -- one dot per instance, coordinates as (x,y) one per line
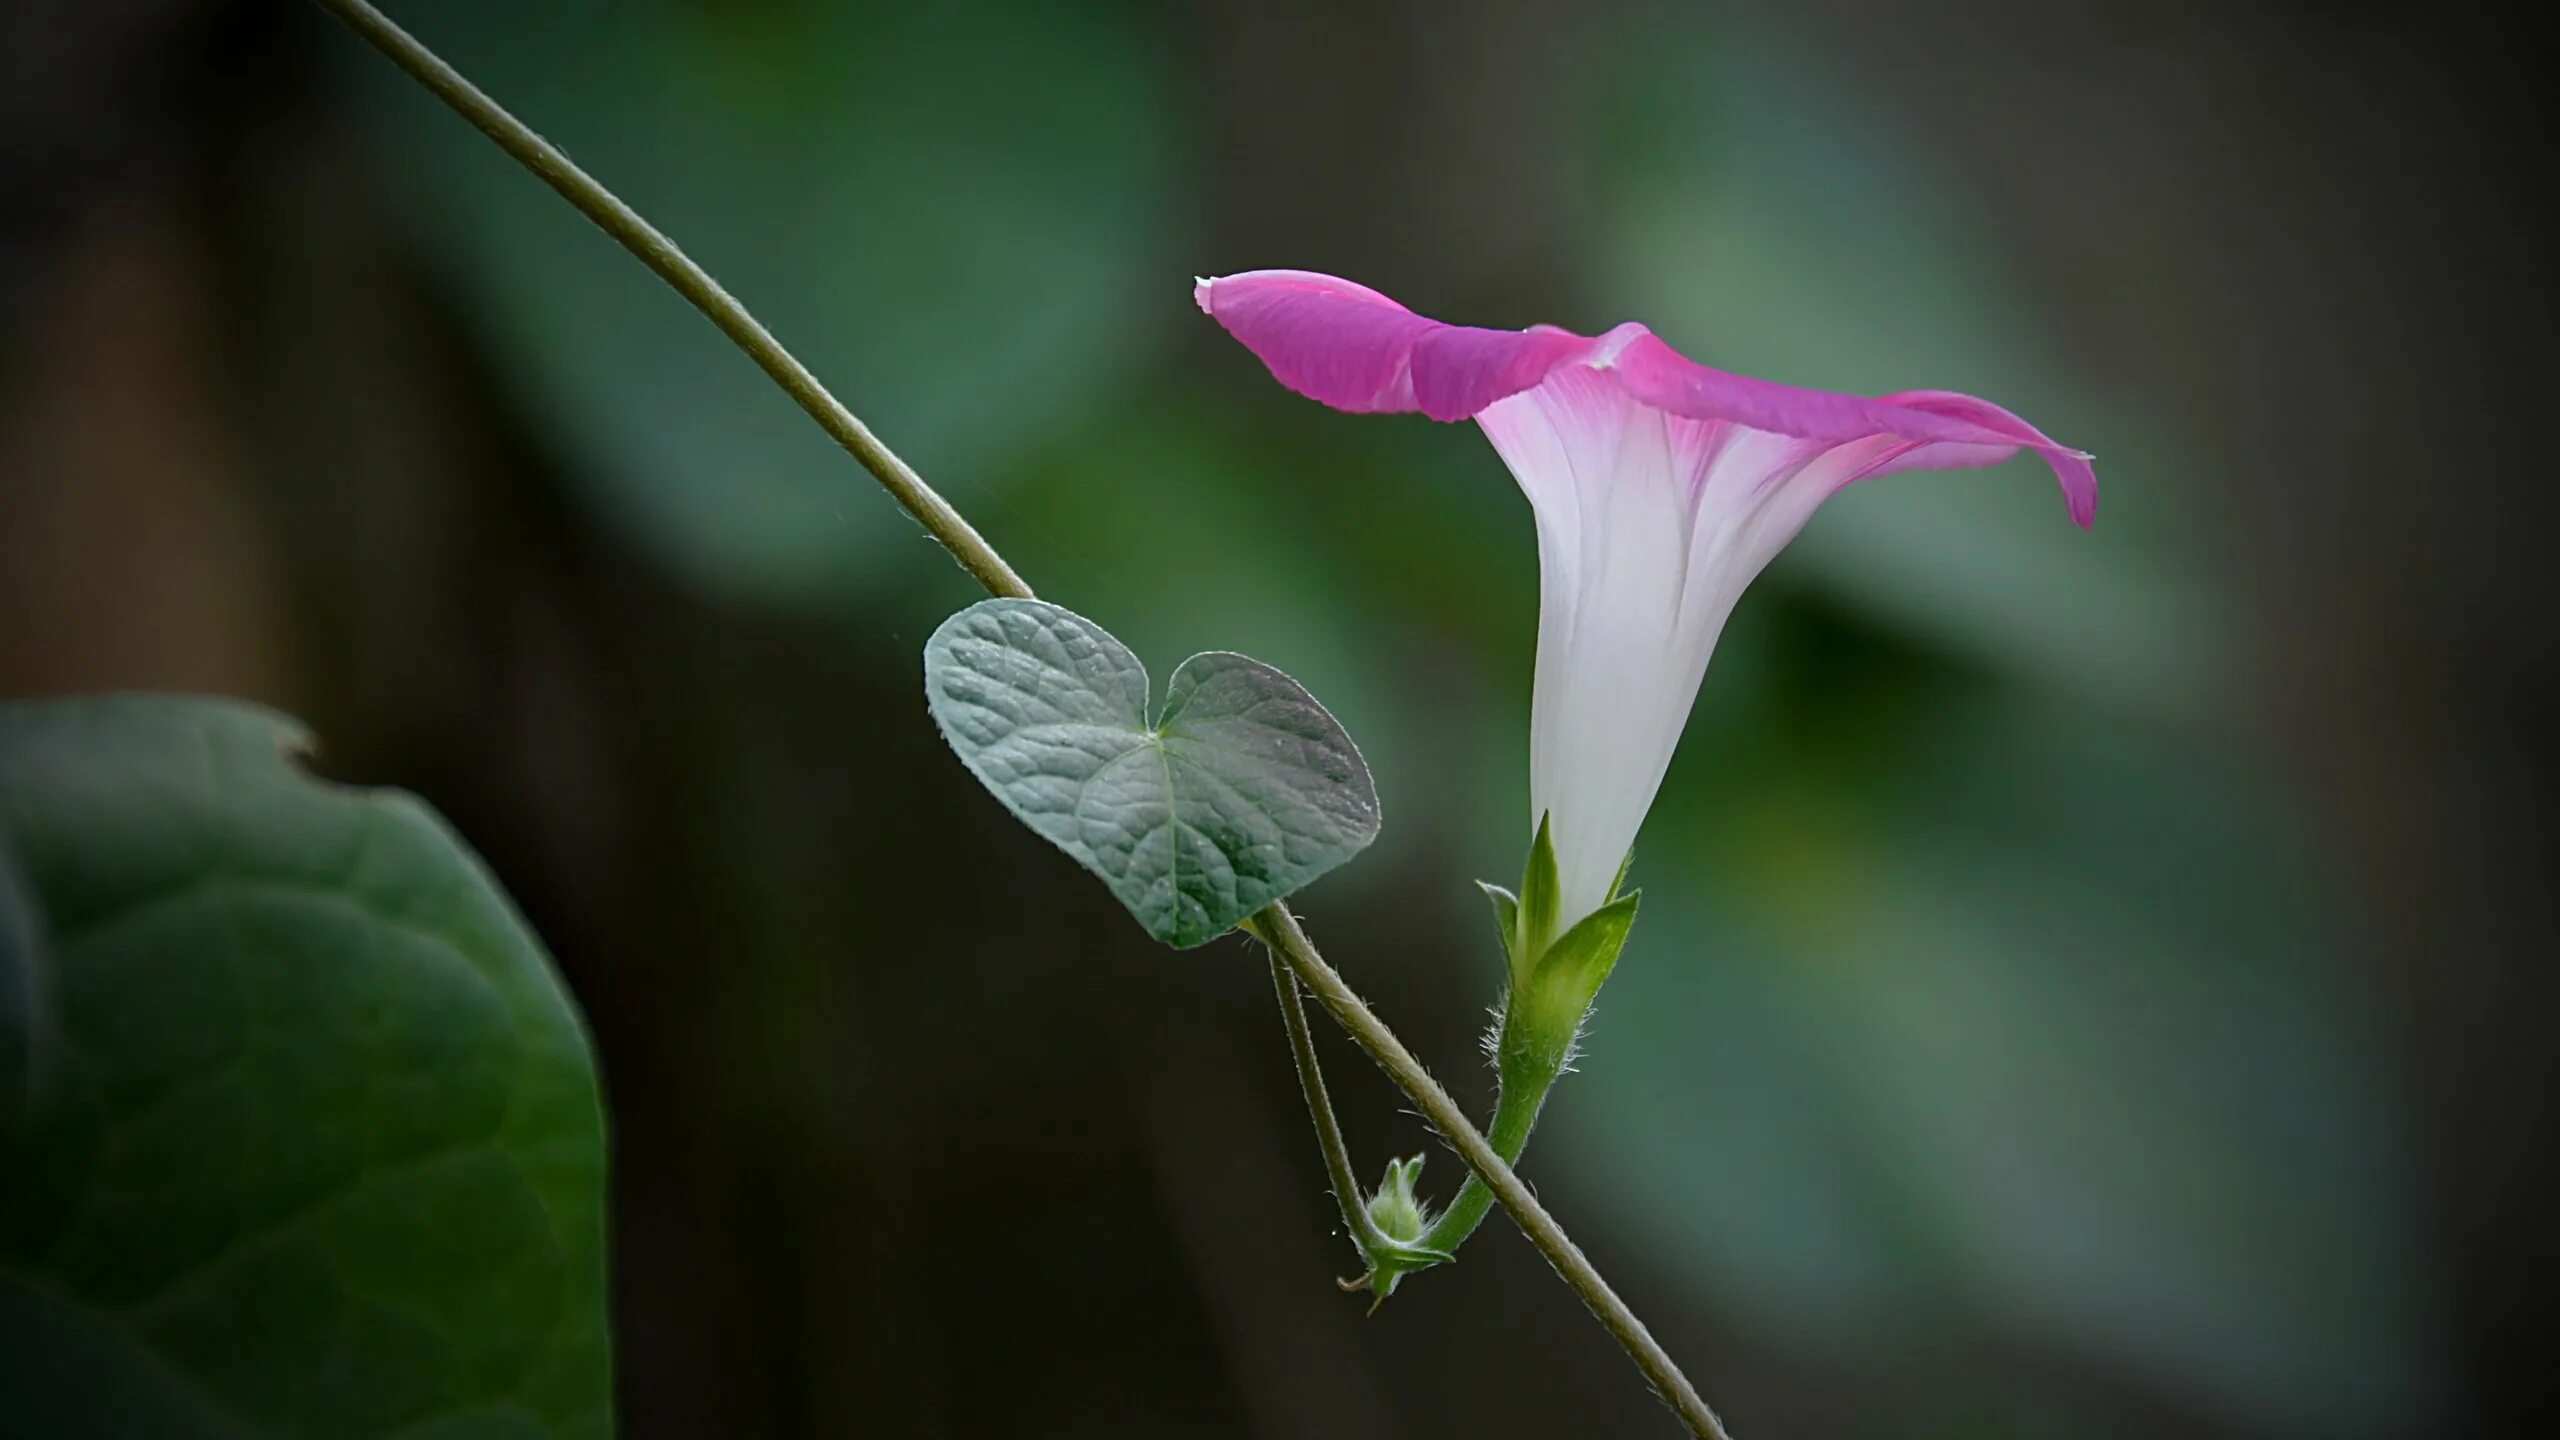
(2071,467)
(1955,430)
(1354,349)
(1327,339)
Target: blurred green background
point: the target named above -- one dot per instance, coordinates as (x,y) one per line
(2089,985)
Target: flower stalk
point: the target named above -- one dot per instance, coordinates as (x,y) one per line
(1552,981)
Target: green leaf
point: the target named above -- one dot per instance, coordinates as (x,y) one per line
(1242,792)
(27,1048)
(323,1153)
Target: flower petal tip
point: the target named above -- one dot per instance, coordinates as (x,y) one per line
(2078,472)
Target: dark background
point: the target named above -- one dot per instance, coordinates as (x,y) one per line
(2090,985)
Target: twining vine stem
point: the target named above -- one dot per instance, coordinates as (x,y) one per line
(1302,1049)
(1275,926)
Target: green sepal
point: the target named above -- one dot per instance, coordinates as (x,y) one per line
(1388,1269)
(1540,892)
(1506,916)
(1589,951)
(1564,978)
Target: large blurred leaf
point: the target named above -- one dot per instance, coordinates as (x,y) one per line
(2032,1043)
(27,1046)
(953,212)
(1968,1018)
(1766,214)
(323,1155)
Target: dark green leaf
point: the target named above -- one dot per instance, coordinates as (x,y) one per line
(26,997)
(1242,792)
(323,1154)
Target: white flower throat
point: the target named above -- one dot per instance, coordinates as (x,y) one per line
(1650,525)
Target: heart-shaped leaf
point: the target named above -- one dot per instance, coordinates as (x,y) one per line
(1243,791)
(301,1135)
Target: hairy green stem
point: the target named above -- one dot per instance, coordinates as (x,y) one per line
(1528,1072)
(1274,925)
(1302,1048)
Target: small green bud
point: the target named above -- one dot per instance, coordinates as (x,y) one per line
(1394,1209)
(1398,1219)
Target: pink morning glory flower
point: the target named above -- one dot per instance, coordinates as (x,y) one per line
(1661,487)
